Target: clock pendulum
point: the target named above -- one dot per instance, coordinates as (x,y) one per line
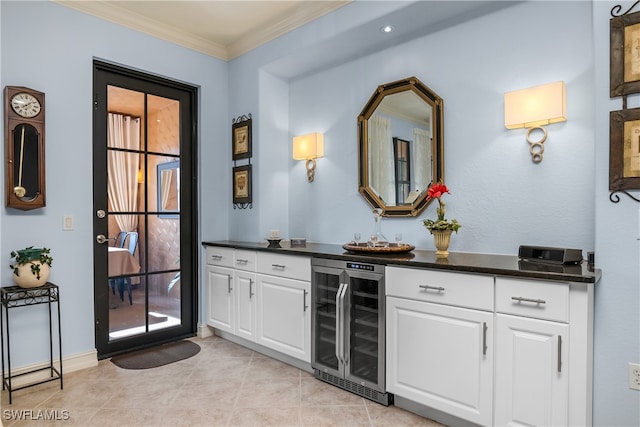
(19,190)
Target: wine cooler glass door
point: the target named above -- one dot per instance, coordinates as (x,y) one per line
(366,329)
(325,342)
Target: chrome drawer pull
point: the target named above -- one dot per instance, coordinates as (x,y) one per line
(435,288)
(559,353)
(484,338)
(522,299)
(216,257)
(242,261)
(280,266)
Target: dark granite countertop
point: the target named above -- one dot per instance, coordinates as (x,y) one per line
(499,265)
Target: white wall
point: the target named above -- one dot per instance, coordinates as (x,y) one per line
(55,56)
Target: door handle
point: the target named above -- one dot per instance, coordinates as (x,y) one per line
(100,238)
(338,324)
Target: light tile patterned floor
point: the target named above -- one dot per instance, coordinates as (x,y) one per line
(223,385)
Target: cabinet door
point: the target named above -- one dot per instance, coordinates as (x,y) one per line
(245,293)
(284,315)
(531,380)
(442,357)
(221,308)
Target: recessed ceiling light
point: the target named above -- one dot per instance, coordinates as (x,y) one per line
(387,29)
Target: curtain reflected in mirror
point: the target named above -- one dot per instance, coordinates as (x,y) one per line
(169,189)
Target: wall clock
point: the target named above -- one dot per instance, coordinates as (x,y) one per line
(24,112)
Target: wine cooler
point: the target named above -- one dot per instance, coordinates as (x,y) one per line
(348,327)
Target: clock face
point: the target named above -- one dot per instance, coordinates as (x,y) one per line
(25,104)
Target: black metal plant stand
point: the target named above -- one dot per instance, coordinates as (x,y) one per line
(15,296)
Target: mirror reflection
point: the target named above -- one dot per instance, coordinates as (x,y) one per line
(401,147)
(169,189)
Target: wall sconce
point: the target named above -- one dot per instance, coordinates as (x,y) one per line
(309,147)
(533,108)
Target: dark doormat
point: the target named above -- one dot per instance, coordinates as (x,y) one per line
(157,356)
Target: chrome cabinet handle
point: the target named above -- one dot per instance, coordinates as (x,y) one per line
(535,301)
(279,266)
(484,338)
(251,288)
(338,324)
(559,353)
(229,283)
(343,317)
(435,288)
(304,300)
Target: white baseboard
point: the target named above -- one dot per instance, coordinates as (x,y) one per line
(70,364)
(204,331)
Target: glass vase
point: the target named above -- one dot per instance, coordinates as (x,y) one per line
(377,239)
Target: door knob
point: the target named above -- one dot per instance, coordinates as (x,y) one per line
(101,239)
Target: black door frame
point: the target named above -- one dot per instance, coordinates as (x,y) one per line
(105,74)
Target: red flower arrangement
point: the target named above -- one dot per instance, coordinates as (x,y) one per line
(436,191)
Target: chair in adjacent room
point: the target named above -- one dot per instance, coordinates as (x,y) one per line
(129,240)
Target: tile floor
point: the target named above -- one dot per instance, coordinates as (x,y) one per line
(223,385)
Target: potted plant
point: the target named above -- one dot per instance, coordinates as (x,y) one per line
(31,266)
(441,228)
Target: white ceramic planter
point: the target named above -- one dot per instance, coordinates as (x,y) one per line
(26,279)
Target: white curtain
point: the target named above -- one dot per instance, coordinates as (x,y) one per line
(381,176)
(122,168)
(422,162)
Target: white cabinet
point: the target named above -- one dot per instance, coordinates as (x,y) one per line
(532,337)
(283,311)
(231,291)
(536,339)
(284,316)
(262,298)
(532,378)
(221,307)
(440,355)
(245,293)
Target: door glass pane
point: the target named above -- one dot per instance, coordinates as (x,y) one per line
(143,178)
(324,296)
(164,125)
(364,328)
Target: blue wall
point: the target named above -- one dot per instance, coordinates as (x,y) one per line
(311,80)
(55,56)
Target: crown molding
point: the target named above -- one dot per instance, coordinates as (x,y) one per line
(312,10)
(118,15)
(121,16)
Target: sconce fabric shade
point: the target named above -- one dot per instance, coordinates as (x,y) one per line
(307,147)
(535,106)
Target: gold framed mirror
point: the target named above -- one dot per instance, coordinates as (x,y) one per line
(400,147)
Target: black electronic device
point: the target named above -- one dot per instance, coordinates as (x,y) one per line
(551,255)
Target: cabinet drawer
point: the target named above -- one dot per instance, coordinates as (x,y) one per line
(294,267)
(220,256)
(245,260)
(464,290)
(531,298)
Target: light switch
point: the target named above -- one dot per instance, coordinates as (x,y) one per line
(67,222)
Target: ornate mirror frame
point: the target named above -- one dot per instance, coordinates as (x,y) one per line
(431,99)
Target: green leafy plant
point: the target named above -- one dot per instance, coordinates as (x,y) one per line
(29,256)
(436,191)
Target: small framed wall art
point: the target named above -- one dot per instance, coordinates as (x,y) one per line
(624,149)
(242,185)
(241,138)
(624,54)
